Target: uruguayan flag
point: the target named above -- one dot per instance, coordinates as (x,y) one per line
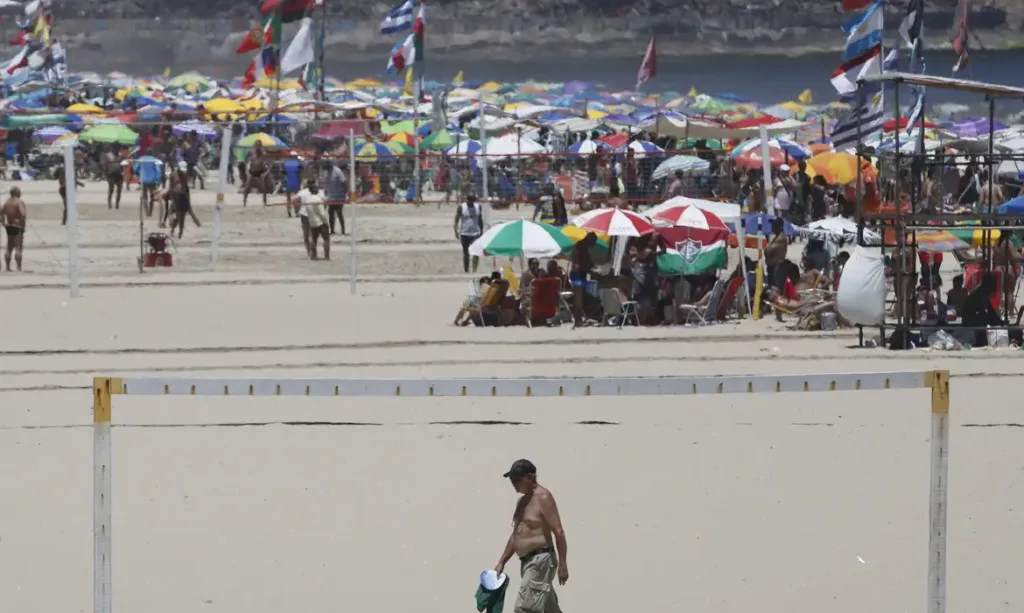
(398,19)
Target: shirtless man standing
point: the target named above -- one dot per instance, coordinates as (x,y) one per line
(13,218)
(534,524)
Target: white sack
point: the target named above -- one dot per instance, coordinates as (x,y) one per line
(861,297)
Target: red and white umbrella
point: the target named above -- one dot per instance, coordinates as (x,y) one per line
(614,222)
(752,158)
(692,223)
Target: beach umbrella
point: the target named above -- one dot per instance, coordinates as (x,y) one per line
(524,238)
(643,148)
(688,216)
(202,130)
(576,234)
(587,146)
(938,241)
(680,163)
(464,147)
(786,148)
(109,133)
(374,152)
(223,105)
(973,237)
(976,126)
(753,158)
(1012,207)
(190,80)
(514,145)
(837,229)
(614,222)
(50,133)
(726,211)
(264,139)
(838,168)
(398,147)
(404,138)
(83,108)
(438,141)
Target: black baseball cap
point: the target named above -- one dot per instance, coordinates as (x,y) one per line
(521,468)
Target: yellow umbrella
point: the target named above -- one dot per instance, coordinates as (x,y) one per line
(223,105)
(252,104)
(363,83)
(595,114)
(490,86)
(796,107)
(83,108)
(576,233)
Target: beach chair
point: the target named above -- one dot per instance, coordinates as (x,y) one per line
(615,306)
(543,302)
(490,304)
(705,314)
(728,301)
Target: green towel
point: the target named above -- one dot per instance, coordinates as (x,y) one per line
(491,601)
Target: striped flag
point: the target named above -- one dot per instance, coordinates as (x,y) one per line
(418,32)
(864,32)
(912,32)
(397,19)
(845,77)
(862,121)
(402,54)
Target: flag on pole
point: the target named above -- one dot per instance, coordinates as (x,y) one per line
(862,121)
(845,77)
(864,32)
(402,54)
(287,10)
(855,5)
(912,32)
(960,34)
(648,67)
(407,90)
(301,50)
(806,97)
(418,31)
(266,34)
(264,65)
(308,78)
(397,19)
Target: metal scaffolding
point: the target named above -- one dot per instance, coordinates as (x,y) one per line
(902,220)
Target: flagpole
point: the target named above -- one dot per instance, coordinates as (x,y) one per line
(323,44)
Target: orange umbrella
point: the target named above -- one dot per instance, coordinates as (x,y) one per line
(839,168)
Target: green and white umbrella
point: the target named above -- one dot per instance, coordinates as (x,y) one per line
(522,238)
(692,259)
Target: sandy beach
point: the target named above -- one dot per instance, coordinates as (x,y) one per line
(778,504)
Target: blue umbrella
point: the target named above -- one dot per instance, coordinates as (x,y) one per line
(1012,207)
(588,146)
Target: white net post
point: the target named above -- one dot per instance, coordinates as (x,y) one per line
(352,212)
(72,223)
(102,516)
(483,150)
(218,208)
(938,493)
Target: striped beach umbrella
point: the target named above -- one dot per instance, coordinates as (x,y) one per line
(522,238)
(374,152)
(614,222)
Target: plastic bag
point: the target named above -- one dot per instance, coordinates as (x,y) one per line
(861,296)
(998,339)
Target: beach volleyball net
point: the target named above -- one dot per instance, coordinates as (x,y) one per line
(105,389)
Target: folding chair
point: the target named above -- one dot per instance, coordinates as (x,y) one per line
(543,302)
(706,313)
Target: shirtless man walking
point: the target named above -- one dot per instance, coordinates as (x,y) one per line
(535,524)
(13,218)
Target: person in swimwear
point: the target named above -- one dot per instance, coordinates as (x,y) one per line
(62,190)
(258,173)
(13,218)
(535,524)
